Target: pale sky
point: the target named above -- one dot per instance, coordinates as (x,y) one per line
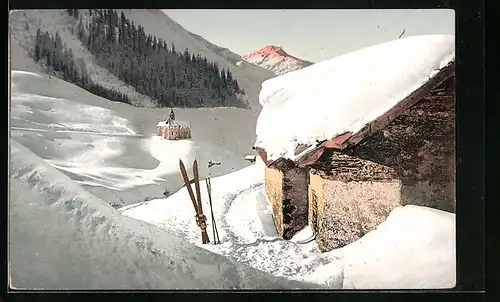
(313,35)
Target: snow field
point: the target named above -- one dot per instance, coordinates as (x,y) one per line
(63,237)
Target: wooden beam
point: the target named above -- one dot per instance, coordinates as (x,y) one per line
(437,97)
(313,155)
(337,142)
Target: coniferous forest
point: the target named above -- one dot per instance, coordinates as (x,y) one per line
(145,62)
(60,59)
(153,67)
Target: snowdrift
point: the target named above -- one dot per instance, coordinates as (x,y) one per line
(63,237)
(413,249)
(343,94)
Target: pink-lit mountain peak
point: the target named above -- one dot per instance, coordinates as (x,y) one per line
(276,59)
(273,51)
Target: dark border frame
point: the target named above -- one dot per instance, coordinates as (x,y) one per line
(470,217)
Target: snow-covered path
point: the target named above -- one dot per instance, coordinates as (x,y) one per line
(244,224)
(253,225)
(248,235)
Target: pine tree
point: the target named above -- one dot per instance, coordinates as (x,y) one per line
(38,45)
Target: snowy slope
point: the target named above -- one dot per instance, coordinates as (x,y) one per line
(274,58)
(155,22)
(343,94)
(63,237)
(413,248)
(22,41)
(222,51)
(111,148)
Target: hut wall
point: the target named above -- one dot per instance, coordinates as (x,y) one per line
(316,204)
(175,132)
(295,182)
(420,145)
(354,196)
(433,184)
(185,132)
(274,192)
(170,133)
(352,209)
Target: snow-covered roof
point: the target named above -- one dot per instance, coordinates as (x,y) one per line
(174,123)
(345,93)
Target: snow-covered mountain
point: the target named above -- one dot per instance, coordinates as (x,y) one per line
(275,59)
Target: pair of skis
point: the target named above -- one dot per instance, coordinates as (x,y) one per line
(201,220)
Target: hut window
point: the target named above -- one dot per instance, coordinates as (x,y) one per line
(314,211)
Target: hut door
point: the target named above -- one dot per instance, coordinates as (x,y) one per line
(314,211)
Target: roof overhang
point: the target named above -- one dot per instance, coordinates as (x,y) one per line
(263,155)
(313,155)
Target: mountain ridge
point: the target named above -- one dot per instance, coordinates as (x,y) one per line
(275,59)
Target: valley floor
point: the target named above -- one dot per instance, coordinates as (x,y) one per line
(111,148)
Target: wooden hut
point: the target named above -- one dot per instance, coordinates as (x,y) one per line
(173,130)
(405,156)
